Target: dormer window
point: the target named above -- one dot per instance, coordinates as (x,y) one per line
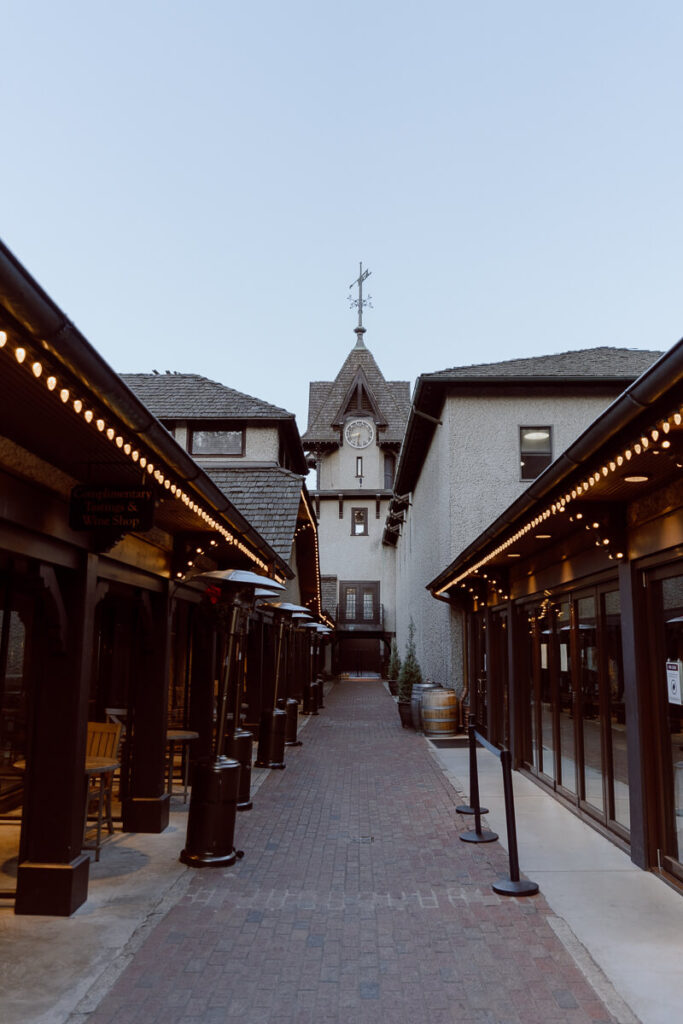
(217,441)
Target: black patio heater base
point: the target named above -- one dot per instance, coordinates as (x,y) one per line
(271,739)
(239,746)
(210,840)
(291,709)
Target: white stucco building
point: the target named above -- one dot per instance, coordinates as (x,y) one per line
(476,437)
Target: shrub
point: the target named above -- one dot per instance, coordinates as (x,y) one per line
(394,666)
(410,673)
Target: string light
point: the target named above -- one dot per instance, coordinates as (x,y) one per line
(639,447)
(51,382)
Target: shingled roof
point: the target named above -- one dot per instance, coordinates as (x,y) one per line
(268,497)
(190,396)
(603,362)
(604,370)
(326,398)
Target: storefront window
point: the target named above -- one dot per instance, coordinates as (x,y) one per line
(589,689)
(617,759)
(547,761)
(672,673)
(563,656)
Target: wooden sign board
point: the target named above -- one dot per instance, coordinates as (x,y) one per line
(99,507)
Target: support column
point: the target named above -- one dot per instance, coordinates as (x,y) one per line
(52,876)
(635,746)
(147,804)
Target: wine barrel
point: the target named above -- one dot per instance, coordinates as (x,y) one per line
(439,713)
(416,702)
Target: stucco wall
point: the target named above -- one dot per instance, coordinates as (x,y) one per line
(351,557)
(470,475)
(338,469)
(261,444)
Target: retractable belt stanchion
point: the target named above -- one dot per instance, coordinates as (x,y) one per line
(479,835)
(470,808)
(514,885)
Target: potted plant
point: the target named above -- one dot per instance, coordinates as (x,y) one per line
(393,668)
(409,675)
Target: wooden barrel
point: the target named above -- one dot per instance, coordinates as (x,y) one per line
(416,702)
(439,712)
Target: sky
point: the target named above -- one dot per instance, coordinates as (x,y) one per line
(196,183)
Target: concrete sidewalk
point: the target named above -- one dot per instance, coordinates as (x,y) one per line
(629,921)
(355,901)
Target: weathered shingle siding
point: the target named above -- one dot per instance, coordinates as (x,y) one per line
(269,498)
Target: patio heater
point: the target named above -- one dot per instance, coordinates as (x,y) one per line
(311,701)
(273,724)
(216,780)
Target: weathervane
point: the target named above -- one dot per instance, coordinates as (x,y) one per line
(360,302)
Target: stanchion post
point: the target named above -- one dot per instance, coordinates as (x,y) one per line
(512,886)
(479,835)
(474,778)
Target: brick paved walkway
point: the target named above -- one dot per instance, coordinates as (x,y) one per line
(355,902)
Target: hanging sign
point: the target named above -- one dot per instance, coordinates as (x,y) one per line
(674,681)
(100,507)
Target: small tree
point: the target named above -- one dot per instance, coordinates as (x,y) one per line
(394,666)
(410,673)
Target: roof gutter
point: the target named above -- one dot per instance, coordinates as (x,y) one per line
(664,374)
(44,321)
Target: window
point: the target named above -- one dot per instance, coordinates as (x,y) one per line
(359,522)
(359,466)
(217,442)
(368,606)
(535,451)
(359,602)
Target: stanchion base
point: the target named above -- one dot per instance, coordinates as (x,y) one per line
(523,887)
(479,837)
(294,743)
(273,764)
(466,809)
(246,806)
(208,860)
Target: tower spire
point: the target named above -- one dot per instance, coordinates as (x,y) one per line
(360,302)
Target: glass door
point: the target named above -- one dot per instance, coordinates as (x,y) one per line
(666,647)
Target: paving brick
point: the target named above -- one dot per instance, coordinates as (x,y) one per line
(355,902)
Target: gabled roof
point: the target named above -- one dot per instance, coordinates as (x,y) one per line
(326,399)
(603,370)
(267,497)
(603,362)
(654,398)
(191,396)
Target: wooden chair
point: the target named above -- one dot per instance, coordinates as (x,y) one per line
(102,746)
(103,739)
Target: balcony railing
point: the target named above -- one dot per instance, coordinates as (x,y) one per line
(359,621)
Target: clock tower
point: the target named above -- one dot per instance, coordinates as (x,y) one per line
(355,427)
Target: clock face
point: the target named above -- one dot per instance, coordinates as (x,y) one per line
(359,433)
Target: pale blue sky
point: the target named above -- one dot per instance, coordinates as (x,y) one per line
(196,183)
